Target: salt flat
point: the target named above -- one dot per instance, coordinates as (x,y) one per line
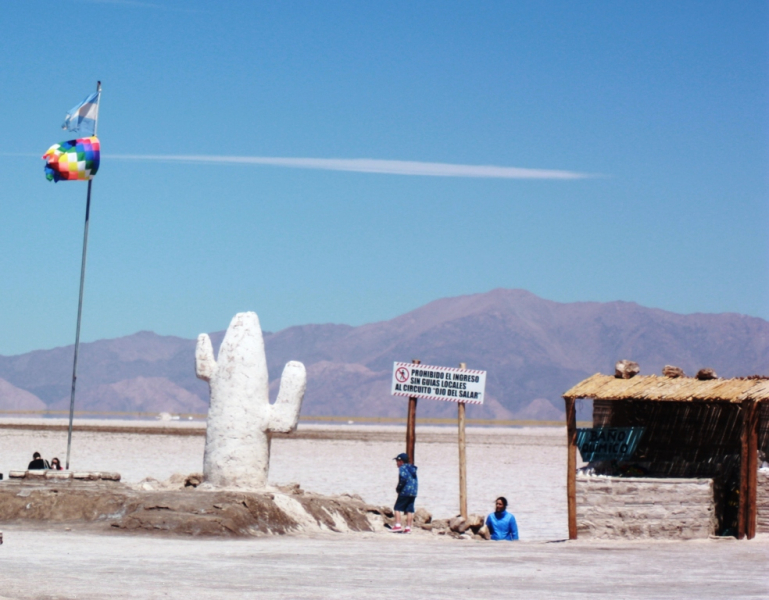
(53,563)
(45,561)
(527,465)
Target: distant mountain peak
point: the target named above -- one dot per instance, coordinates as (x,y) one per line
(532,349)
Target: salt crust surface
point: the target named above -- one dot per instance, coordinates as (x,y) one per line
(527,465)
(55,563)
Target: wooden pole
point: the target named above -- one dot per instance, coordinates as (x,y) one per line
(571,466)
(743,509)
(411,426)
(462,457)
(751,508)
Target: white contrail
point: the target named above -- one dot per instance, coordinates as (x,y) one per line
(126,3)
(143,4)
(370,165)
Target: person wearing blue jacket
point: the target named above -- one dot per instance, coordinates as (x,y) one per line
(501,524)
(407,493)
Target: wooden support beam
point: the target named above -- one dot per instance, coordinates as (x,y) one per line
(571,466)
(751,512)
(746,514)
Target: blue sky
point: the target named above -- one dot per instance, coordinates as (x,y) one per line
(662,107)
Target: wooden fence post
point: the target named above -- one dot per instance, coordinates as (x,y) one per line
(571,466)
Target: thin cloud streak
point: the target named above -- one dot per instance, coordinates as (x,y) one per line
(142,4)
(125,3)
(370,165)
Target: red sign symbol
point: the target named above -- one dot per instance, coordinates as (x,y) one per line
(402,374)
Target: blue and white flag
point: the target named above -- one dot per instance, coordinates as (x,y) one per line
(82,117)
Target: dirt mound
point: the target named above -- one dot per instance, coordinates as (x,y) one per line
(183,509)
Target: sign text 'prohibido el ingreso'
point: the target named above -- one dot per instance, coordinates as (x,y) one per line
(438,383)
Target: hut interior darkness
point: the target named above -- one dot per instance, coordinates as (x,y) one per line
(692,429)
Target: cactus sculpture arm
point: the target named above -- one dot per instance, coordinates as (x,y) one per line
(240,416)
(285,411)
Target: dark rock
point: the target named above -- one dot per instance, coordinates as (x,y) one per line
(193,480)
(422,517)
(291,488)
(385,511)
(475,522)
(706,374)
(673,372)
(626,369)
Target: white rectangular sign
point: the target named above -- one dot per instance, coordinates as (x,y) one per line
(438,383)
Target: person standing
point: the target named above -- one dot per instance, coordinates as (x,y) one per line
(407,493)
(501,524)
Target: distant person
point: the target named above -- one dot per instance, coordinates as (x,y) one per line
(55,464)
(501,524)
(407,493)
(38,463)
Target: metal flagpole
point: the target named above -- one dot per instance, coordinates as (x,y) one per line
(80,299)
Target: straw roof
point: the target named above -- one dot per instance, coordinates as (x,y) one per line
(679,389)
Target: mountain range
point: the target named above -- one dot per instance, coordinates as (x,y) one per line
(532,349)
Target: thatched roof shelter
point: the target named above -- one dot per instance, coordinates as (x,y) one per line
(711,428)
(679,389)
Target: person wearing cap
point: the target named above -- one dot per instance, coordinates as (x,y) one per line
(407,493)
(501,524)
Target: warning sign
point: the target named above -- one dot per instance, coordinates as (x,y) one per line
(438,383)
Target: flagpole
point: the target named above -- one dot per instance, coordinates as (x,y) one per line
(80,298)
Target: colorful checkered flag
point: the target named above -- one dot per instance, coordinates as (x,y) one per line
(72,160)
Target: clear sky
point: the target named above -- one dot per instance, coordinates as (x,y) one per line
(661,106)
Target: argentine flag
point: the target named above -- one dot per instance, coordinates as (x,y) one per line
(82,117)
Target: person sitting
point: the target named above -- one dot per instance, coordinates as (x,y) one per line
(501,524)
(37,463)
(55,464)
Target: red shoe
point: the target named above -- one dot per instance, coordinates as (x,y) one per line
(396,529)
(407,530)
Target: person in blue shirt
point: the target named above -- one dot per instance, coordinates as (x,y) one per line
(501,524)
(407,493)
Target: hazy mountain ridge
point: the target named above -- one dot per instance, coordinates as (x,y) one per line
(533,350)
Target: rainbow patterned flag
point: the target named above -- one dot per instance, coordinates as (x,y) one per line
(72,160)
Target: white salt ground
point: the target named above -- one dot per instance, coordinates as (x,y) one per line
(48,564)
(527,465)
(45,561)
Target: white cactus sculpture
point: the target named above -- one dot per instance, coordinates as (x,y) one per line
(241,419)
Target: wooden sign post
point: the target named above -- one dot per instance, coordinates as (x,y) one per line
(450,384)
(411,425)
(462,456)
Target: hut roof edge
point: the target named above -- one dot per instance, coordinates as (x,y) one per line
(678,389)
